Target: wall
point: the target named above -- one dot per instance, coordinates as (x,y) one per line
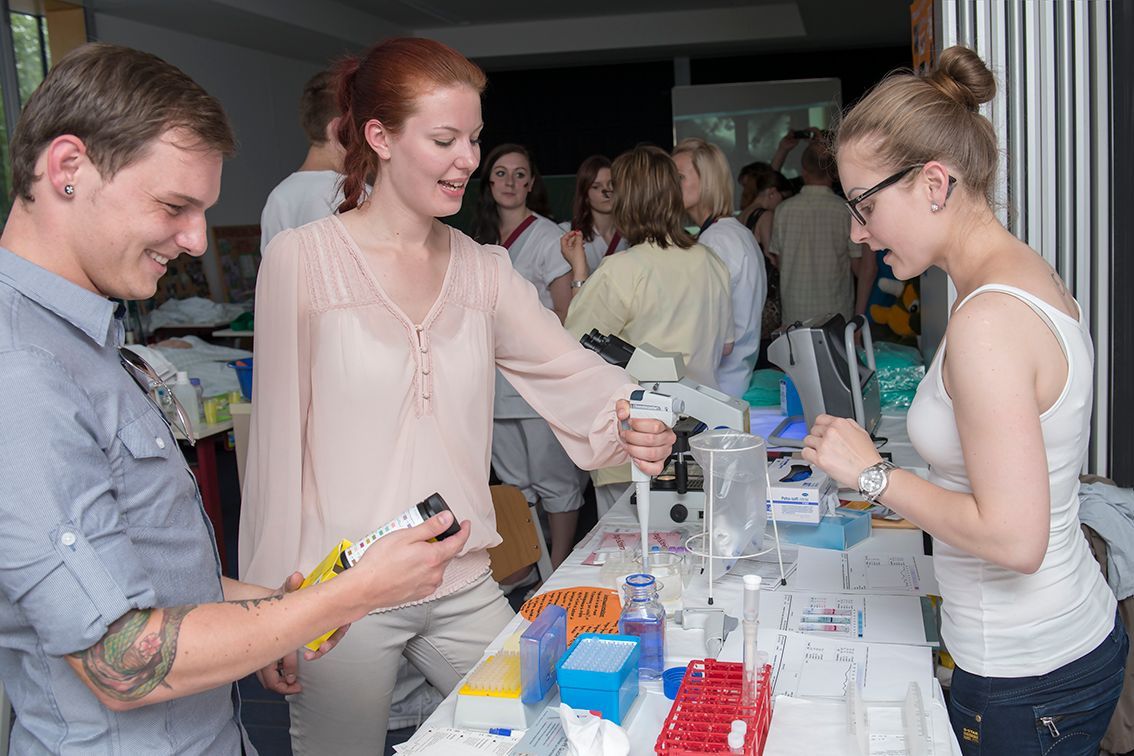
(260,93)
(1122,262)
(1053,116)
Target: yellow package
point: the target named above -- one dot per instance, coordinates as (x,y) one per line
(324,571)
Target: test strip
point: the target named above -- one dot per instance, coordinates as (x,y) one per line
(826,618)
(818,627)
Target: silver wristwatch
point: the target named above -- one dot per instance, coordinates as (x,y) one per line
(873,480)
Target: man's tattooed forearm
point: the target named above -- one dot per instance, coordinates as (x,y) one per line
(129,662)
(251,604)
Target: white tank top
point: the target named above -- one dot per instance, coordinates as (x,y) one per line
(997,622)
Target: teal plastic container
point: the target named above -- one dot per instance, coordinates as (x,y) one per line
(839,531)
(604,676)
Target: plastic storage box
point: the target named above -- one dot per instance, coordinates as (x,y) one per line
(599,673)
(541,647)
(839,531)
(490,696)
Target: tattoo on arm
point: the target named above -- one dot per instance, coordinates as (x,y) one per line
(129,662)
(251,604)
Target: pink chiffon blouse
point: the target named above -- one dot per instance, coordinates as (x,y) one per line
(359,413)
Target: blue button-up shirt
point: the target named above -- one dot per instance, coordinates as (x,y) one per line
(99,515)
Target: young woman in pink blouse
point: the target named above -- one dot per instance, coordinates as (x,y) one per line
(378,334)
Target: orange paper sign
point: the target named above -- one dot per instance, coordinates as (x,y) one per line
(589,609)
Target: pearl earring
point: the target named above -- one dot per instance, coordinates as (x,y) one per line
(69,190)
(934,207)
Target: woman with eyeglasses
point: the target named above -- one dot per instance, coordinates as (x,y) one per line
(666,290)
(1002,417)
(380,332)
(591,233)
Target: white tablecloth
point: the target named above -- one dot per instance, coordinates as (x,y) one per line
(650,710)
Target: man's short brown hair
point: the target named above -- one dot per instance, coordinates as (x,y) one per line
(318,106)
(118,101)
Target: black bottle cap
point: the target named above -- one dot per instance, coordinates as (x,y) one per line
(433,505)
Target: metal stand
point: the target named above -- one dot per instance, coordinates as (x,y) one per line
(707,530)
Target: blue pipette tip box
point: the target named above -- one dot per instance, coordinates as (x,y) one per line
(541,647)
(602,677)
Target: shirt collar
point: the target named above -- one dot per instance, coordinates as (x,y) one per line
(91,313)
(816,189)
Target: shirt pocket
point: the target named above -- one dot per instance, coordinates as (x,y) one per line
(156,487)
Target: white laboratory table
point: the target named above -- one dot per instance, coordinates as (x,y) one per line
(649,711)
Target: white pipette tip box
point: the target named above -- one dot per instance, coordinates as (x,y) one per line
(490,697)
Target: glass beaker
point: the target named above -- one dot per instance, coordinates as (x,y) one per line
(644,616)
(670,570)
(735,466)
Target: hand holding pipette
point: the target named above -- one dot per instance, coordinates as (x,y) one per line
(643,407)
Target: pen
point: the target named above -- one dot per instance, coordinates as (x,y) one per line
(859,623)
(822,610)
(499,731)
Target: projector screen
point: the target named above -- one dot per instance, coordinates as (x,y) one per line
(747,120)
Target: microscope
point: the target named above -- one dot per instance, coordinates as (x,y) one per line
(677,494)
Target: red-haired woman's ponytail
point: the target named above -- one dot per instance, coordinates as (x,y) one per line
(356,159)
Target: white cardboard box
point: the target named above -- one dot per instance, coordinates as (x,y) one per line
(798,500)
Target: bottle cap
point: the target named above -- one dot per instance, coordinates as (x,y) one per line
(739,725)
(195,381)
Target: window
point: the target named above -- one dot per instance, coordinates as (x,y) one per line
(40,30)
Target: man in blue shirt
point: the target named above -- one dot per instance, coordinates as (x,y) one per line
(118,633)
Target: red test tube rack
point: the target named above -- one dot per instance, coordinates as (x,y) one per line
(710,699)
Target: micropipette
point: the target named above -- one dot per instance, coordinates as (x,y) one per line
(649,404)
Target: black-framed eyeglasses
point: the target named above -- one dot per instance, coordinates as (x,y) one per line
(852,205)
(148,381)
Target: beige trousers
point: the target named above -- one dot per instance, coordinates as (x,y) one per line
(344,706)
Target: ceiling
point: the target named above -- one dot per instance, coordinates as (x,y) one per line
(526,33)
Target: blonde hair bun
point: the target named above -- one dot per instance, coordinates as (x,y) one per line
(963,77)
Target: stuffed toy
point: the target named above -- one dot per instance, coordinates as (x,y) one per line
(904,316)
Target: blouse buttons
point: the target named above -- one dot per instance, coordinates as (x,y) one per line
(67,539)
(160,443)
(425,395)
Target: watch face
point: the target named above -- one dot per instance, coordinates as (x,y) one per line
(872,480)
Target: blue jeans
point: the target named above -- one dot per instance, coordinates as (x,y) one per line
(1062,713)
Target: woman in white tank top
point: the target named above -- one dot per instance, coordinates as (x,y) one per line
(1002,417)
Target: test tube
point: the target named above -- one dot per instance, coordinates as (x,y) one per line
(751,625)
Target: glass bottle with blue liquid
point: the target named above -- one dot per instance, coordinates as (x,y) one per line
(644,616)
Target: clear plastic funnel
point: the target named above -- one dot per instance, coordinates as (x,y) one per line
(735,466)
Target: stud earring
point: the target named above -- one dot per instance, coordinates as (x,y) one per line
(69,190)
(934,207)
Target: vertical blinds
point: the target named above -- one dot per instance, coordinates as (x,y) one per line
(1053,117)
